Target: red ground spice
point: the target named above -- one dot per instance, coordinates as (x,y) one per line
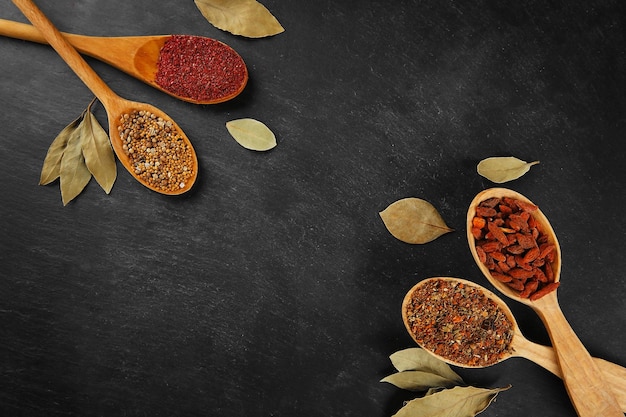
(200,68)
(458,322)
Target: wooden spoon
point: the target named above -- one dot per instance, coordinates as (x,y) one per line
(585,384)
(139,56)
(115,106)
(543,356)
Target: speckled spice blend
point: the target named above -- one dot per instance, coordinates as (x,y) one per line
(459,322)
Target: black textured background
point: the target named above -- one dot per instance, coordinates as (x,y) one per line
(273,288)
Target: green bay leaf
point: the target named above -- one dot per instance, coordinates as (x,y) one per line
(417,359)
(247,18)
(251,134)
(418,380)
(413,220)
(501,169)
(51,169)
(74,173)
(98,152)
(457,402)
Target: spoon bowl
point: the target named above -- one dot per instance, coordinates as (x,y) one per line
(117,108)
(139,57)
(584,383)
(165,132)
(519,346)
(544,226)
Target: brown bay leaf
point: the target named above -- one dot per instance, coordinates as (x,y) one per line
(413,220)
(501,169)
(98,152)
(251,134)
(74,175)
(247,18)
(417,359)
(418,380)
(457,401)
(51,169)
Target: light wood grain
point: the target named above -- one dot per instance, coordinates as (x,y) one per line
(544,356)
(585,384)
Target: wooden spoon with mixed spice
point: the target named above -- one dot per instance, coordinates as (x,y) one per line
(148,143)
(516,248)
(466,325)
(195,69)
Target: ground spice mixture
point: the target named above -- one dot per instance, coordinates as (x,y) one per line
(459,322)
(510,243)
(200,68)
(156,150)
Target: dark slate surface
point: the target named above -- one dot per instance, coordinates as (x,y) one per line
(273,288)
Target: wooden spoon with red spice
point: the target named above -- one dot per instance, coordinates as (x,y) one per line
(119,108)
(518,346)
(585,384)
(195,69)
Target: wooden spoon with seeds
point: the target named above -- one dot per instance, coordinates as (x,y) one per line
(139,56)
(585,384)
(543,356)
(116,106)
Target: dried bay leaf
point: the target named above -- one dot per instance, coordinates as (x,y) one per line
(413,220)
(51,169)
(457,401)
(73,173)
(418,380)
(416,359)
(247,18)
(251,134)
(81,150)
(98,152)
(446,395)
(501,169)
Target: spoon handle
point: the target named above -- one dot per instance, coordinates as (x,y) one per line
(21,31)
(135,55)
(66,51)
(545,357)
(615,376)
(586,386)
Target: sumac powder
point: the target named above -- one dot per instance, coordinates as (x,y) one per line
(459,322)
(199,68)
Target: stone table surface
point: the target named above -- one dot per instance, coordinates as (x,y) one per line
(273,288)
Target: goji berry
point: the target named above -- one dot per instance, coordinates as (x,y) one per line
(513,246)
(546,289)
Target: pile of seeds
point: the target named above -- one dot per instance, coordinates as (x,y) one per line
(510,242)
(156,150)
(458,322)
